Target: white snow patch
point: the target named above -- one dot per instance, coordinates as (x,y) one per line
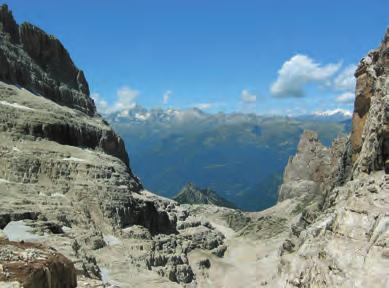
(107,279)
(333,112)
(19,231)
(104,275)
(111,240)
(227,232)
(56,194)
(73,159)
(151,194)
(16,105)
(66,229)
(142,117)
(4,180)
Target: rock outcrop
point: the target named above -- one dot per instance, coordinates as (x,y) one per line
(30,265)
(190,194)
(314,170)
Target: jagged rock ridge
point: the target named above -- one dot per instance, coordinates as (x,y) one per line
(190,194)
(39,62)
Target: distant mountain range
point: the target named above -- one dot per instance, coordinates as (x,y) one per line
(190,194)
(241,156)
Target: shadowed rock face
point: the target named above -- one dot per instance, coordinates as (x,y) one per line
(37,61)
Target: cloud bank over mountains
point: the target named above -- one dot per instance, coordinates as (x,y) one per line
(301,71)
(298,77)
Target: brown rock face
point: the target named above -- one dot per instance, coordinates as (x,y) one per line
(371,89)
(35,266)
(39,62)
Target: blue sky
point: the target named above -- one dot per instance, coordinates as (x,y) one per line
(271,57)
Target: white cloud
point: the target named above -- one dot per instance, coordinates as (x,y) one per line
(347,97)
(204,106)
(247,97)
(299,71)
(125,99)
(101,104)
(166,96)
(346,80)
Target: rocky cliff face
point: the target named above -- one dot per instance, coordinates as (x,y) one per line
(39,62)
(315,170)
(343,242)
(369,138)
(65,182)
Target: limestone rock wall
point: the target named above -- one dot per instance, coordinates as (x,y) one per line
(314,170)
(370,132)
(39,62)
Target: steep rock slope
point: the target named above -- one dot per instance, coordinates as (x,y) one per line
(191,194)
(65,179)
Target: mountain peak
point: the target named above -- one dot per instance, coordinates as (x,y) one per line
(190,194)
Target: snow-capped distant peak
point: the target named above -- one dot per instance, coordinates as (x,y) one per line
(142,116)
(343,112)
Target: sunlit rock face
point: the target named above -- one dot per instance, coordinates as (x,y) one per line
(370,133)
(343,242)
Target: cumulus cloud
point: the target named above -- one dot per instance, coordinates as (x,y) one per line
(299,71)
(166,96)
(347,97)
(346,80)
(125,99)
(247,97)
